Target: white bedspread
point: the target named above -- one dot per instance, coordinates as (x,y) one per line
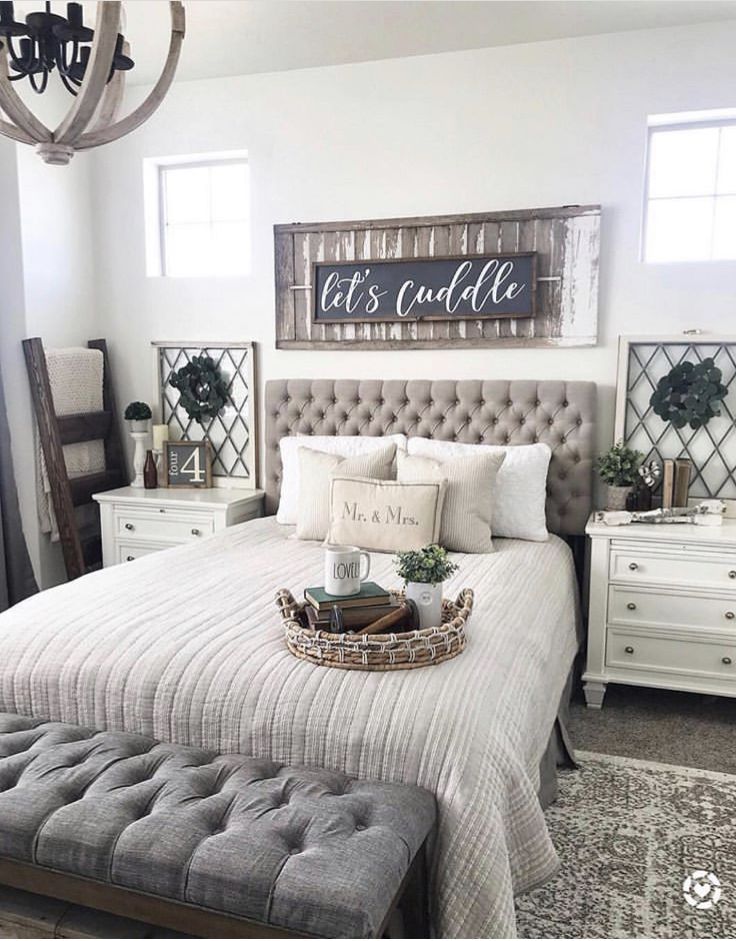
(186,645)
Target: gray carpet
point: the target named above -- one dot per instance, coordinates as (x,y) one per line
(628,834)
(658,725)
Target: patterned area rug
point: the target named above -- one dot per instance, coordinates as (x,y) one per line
(629,833)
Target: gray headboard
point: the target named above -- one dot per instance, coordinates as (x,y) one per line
(562,414)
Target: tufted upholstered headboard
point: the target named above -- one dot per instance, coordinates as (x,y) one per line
(492,411)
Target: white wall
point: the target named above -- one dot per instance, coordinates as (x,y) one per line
(517,127)
(46,246)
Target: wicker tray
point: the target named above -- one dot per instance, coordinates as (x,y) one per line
(374,652)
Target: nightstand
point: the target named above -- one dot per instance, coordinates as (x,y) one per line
(662,608)
(135,522)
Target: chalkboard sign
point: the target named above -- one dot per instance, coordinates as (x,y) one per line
(459,287)
(188,463)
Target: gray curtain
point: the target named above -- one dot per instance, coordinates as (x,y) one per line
(16,575)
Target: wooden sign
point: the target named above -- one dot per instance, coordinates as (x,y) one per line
(188,464)
(561,243)
(447,288)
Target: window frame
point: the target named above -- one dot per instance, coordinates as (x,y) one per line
(155,170)
(689,121)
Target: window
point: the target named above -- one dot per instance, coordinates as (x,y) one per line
(690,212)
(198,216)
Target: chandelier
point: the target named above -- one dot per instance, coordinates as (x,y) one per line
(91,64)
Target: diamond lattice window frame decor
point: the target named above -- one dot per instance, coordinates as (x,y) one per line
(642,361)
(232,433)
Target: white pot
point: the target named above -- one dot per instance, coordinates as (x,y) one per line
(616,497)
(428,599)
(139,424)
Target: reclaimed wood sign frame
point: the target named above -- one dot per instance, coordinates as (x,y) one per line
(440,288)
(563,242)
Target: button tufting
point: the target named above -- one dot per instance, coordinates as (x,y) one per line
(579,421)
(522,421)
(565,403)
(550,421)
(360,826)
(537,403)
(495,421)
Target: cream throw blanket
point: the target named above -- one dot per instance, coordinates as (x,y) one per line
(75,375)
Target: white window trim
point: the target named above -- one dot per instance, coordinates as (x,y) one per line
(686,120)
(154,208)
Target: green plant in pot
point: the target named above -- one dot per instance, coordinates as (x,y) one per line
(139,415)
(424,571)
(618,468)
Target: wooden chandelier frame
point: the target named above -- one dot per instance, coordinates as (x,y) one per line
(92,119)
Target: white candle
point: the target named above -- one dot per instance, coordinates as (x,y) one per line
(160,436)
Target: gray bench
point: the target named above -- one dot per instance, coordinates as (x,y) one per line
(213,845)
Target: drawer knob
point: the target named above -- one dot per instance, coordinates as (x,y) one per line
(161,509)
(195,531)
(633,566)
(130,527)
(130,558)
(629,649)
(726,660)
(732,573)
(631,606)
(730,615)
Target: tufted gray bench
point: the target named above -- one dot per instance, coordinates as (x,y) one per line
(213,845)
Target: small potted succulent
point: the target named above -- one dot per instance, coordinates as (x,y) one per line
(424,571)
(618,468)
(139,415)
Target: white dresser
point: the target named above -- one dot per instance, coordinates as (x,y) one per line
(136,522)
(662,608)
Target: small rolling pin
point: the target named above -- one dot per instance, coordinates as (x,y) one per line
(406,612)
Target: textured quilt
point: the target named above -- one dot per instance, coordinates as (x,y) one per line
(186,646)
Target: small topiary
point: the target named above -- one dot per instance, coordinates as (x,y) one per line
(138,411)
(690,394)
(429,565)
(619,466)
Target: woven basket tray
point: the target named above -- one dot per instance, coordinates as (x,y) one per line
(375,652)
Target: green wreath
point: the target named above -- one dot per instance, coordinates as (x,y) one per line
(690,393)
(201,387)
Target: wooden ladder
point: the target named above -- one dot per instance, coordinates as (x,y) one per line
(82,548)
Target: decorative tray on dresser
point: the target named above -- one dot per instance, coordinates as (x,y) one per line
(662,608)
(135,522)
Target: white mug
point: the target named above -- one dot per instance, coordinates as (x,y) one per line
(342,569)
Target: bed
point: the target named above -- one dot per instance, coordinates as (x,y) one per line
(186,645)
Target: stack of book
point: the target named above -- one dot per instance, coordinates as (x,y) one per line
(675,482)
(352,612)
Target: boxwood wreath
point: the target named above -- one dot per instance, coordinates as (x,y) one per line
(690,394)
(202,388)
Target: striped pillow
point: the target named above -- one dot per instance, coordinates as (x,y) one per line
(468,509)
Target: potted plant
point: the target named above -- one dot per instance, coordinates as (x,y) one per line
(618,468)
(138,414)
(424,571)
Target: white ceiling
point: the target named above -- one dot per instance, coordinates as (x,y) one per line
(234,37)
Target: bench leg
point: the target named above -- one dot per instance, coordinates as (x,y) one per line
(414,904)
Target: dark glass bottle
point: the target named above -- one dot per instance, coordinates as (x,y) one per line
(150,474)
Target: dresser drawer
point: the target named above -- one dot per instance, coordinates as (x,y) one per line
(660,654)
(171,526)
(677,566)
(671,609)
(129,552)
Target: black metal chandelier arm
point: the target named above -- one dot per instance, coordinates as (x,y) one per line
(22,63)
(63,63)
(39,88)
(69,84)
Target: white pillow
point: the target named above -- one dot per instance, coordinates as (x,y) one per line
(316,469)
(520,493)
(467,516)
(343,446)
(384,515)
